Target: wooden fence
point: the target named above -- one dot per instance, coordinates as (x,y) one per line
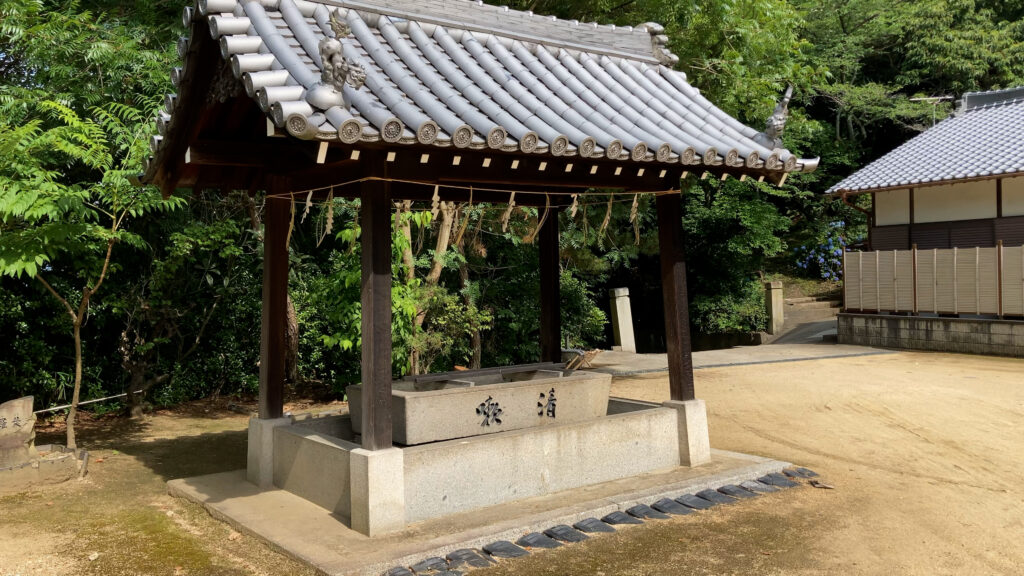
(987,281)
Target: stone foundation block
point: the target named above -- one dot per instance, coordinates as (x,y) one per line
(259,468)
(377,481)
(694,442)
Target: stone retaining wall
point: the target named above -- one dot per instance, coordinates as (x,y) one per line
(965,335)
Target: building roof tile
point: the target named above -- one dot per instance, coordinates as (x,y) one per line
(464,74)
(984,138)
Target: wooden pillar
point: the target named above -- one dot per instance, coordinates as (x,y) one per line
(550,293)
(375,220)
(673,286)
(276,221)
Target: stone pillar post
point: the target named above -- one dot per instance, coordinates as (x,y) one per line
(694,442)
(622,320)
(774,303)
(377,484)
(259,468)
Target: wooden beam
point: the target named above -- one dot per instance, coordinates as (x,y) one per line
(673,287)
(256,153)
(550,293)
(276,221)
(202,60)
(999,198)
(499,171)
(910,226)
(375,220)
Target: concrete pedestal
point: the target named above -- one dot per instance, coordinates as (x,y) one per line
(378,491)
(622,320)
(774,303)
(694,443)
(260,457)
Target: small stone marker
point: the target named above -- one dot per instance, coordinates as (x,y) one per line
(593,525)
(755,486)
(645,511)
(566,533)
(669,506)
(505,549)
(735,491)
(715,496)
(17,433)
(468,556)
(435,564)
(538,540)
(808,473)
(620,517)
(691,501)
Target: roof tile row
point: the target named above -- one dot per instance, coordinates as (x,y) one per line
(361,71)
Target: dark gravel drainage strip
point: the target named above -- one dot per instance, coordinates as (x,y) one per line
(459,560)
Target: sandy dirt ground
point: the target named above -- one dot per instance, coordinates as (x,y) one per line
(926,453)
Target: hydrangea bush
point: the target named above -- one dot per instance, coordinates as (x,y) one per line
(825,259)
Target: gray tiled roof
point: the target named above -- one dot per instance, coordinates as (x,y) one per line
(464,74)
(983,139)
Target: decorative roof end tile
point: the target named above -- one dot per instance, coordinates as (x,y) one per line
(771,138)
(337,69)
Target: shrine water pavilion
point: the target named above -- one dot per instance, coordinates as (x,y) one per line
(413,100)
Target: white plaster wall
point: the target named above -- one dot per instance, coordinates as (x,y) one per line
(1013,196)
(892,207)
(963,201)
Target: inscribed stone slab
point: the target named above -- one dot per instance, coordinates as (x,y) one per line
(17,432)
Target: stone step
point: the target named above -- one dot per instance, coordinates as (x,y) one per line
(814,304)
(803,299)
(809,315)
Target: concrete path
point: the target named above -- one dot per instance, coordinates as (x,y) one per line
(807,321)
(809,332)
(627,363)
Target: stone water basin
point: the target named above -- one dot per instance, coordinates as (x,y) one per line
(470,403)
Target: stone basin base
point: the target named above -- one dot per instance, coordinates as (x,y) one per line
(473,403)
(314,457)
(53,465)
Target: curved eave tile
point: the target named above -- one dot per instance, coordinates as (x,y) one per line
(430,84)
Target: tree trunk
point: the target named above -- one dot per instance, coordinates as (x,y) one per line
(135,382)
(408,260)
(474,361)
(73,412)
(291,344)
(444,235)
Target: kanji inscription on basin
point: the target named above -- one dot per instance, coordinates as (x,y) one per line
(546,404)
(471,403)
(491,411)
(17,432)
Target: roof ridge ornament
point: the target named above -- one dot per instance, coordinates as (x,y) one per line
(659,44)
(771,138)
(337,69)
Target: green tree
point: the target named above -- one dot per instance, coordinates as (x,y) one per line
(74,125)
(48,219)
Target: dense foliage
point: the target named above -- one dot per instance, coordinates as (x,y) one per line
(178,315)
